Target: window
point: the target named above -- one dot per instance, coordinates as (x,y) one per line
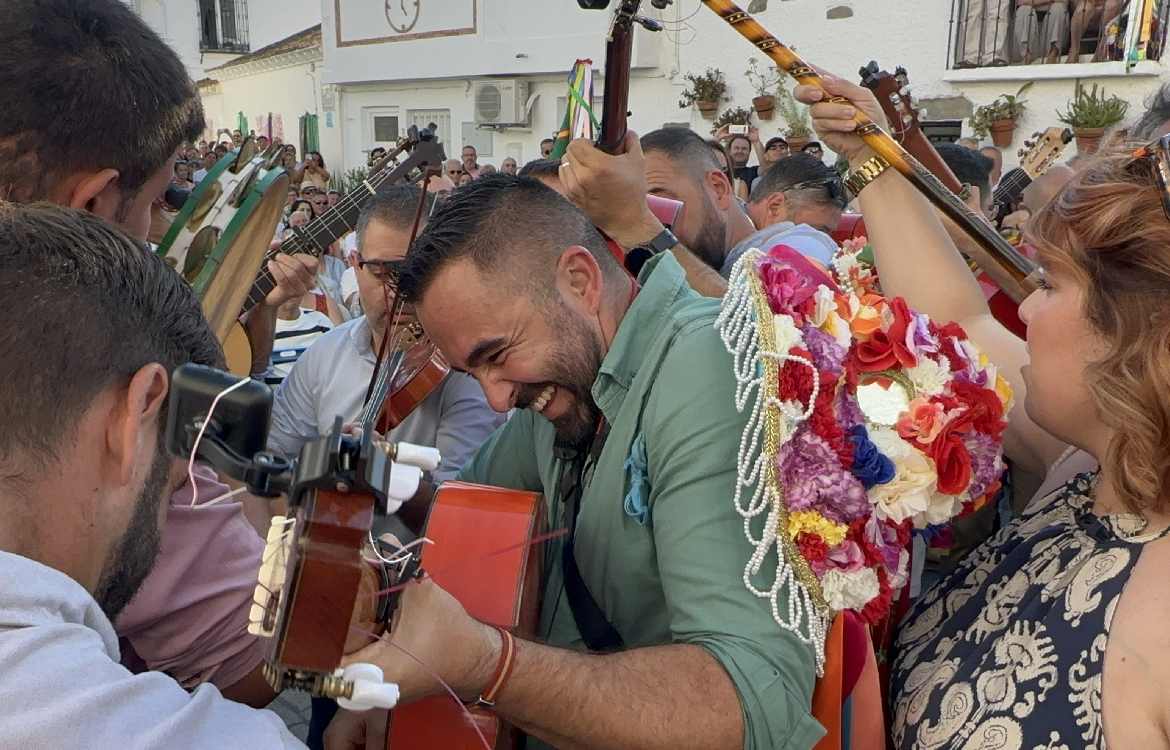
(992,33)
(385,128)
(424,118)
(223,25)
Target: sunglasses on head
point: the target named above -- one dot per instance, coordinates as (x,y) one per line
(1158,152)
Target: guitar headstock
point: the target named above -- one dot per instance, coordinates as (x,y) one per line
(892,91)
(1043,150)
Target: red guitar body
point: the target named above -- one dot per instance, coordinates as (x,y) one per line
(482,555)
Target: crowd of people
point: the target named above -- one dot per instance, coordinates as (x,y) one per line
(127,575)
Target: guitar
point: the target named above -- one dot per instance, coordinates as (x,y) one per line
(893,94)
(1011,271)
(615,107)
(315,237)
(1040,152)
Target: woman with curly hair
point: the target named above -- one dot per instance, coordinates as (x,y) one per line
(1053,632)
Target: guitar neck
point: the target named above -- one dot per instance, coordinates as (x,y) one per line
(995,255)
(614,112)
(919,146)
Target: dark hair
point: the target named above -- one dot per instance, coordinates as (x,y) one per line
(797,168)
(87,85)
(541,168)
(468,145)
(319,157)
(124,308)
(396,206)
(812,145)
(684,146)
(969,166)
(1156,114)
(547,140)
(480,221)
(738,137)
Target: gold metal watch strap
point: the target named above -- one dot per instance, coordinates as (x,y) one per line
(866,173)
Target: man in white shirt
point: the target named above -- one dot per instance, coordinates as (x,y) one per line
(331,378)
(84,477)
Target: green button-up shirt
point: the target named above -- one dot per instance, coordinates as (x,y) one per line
(665,563)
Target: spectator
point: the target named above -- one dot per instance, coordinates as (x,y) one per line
(320,202)
(814,149)
(775,150)
(237,138)
(465,178)
(453,168)
(983,33)
(972,169)
(377,153)
(262,142)
(332,197)
(486,169)
(182,178)
(208,161)
(508,166)
(296,329)
(314,172)
(546,147)
(1035,38)
(996,156)
(470,161)
(739,148)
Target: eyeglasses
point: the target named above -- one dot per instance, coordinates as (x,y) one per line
(833,186)
(385,271)
(1159,153)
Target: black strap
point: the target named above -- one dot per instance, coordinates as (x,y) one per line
(596,630)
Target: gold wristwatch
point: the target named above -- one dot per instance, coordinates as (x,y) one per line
(858,178)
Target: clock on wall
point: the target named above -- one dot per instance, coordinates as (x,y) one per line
(402,14)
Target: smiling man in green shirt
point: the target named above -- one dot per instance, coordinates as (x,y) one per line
(628,388)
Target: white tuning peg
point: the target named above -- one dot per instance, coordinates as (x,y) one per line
(904,91)
(404,482)
(922,113)
(369,689)
(424,457)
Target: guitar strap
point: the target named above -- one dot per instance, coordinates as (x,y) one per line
(596,630)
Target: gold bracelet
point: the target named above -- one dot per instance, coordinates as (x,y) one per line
(858,178)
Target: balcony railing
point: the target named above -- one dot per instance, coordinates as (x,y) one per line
(987,33)
(223,26)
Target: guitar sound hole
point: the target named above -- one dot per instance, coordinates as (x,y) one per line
(202,245)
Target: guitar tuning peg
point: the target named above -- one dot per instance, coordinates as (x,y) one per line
(922,113)
(904,91)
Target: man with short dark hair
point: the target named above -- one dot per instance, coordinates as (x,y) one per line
(797,203)
(547,171)
(546,148)
(131,107)
(971,168)
(605,375)
(470,161)
(813,149)
(84,477)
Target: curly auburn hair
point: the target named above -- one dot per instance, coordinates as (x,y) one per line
(1108,231)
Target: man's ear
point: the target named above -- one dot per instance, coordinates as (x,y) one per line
(722,191)
(579,279)
(772,209)
(134,423)
(96,192)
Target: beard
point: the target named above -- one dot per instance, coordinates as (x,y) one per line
(132,558)
(711,243)
(573,363)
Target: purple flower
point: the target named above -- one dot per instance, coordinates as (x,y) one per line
(812,477)
(919,339)
(869,465)
(986,462)
(828,355)
(848,412)
(884,539)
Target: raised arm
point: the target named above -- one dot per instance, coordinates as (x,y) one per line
(917,260)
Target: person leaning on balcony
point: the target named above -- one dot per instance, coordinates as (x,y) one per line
(1039,37)
(1103,13)
(983,33)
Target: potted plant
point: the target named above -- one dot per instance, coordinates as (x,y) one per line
(764,81)
(733,116)
(1090,113)
(795,115)
(999,118)
(705,91)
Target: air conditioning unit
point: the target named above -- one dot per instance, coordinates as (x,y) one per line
(500,102)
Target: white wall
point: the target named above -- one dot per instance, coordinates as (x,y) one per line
(436,72)
(289,92)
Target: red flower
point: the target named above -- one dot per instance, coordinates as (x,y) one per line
(984,408)
(796,379)
(946,335)
(877,608)
(824,423)
(887,348)
(951,459)
(811,546)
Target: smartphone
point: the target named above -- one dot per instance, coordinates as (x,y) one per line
(737,129)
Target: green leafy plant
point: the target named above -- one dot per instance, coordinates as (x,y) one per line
(733,116)
(764,80)
(1005,107)
(794,114)
(1092,109)
(710,86)
(344,183)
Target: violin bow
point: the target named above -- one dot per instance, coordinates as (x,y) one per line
(1010,270)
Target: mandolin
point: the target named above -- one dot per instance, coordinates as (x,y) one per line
(315,237)
(1008,268)
(1040,152)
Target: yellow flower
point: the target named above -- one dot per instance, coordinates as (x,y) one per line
(814,523)
(1003,389)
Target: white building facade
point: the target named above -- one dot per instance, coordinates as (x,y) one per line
(384,65)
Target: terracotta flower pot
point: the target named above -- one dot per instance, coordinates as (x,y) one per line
(764,106)
(1088,139)
(1002,132)
(797,142)
(707,108)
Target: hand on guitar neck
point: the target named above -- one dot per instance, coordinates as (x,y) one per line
(611,190)
(295,276)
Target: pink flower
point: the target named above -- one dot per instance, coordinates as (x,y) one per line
(786,287)
(923,421)
(846,556)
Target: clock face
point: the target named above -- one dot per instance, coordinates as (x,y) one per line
(402,14)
